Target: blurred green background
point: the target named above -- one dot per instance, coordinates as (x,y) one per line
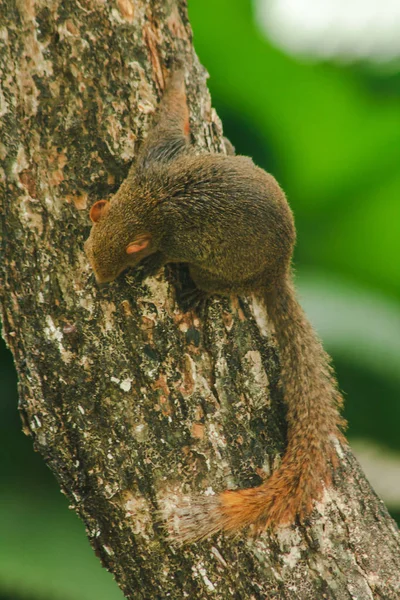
(329,131)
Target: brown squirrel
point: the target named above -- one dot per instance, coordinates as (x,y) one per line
(230,222)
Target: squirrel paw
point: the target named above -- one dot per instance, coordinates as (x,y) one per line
(194,299)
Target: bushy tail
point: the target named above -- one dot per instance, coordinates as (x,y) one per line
(312,401)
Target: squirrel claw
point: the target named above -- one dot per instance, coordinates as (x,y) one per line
(195,300)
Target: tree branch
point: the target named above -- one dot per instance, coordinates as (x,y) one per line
(129,400)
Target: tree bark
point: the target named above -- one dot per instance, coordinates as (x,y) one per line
(129,400)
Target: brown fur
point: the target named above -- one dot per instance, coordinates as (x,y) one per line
(230,222)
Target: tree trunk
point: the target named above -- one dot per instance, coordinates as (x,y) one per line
(129,400)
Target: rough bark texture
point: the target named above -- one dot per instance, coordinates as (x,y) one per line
(129,400)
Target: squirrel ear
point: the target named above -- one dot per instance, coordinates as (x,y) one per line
(98,209)
(139,244)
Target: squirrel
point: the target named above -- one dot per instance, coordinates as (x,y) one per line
(230,222)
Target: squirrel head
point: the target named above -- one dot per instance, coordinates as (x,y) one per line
(117,240)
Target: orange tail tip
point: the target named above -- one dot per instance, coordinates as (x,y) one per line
(288,494)
(193,519)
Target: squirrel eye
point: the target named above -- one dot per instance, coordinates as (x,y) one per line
(98,209)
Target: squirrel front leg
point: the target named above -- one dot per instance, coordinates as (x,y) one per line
(150,265)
